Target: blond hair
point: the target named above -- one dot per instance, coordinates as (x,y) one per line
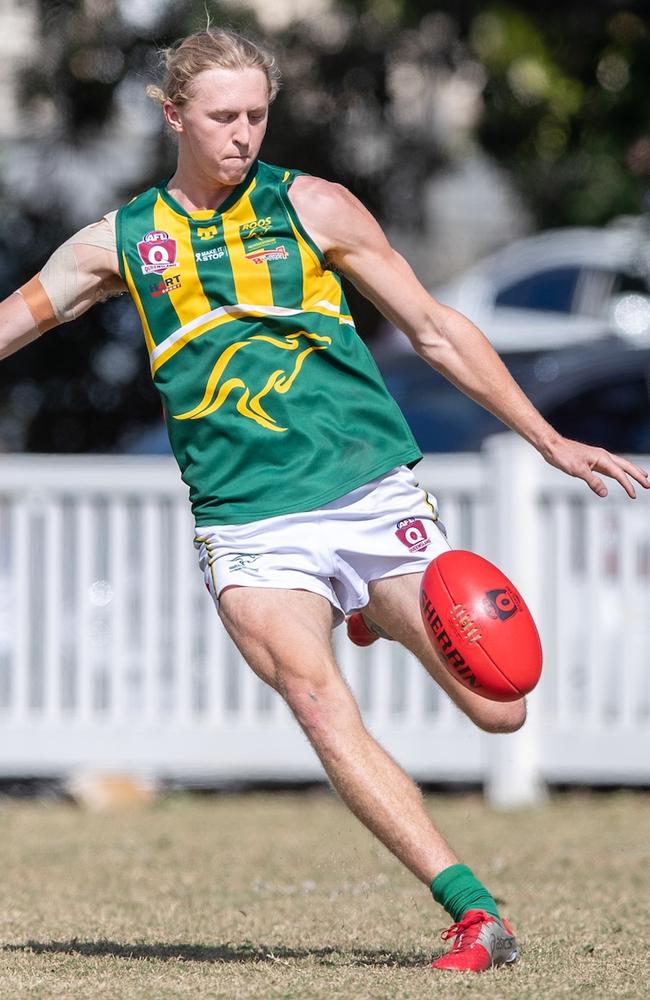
(214,47)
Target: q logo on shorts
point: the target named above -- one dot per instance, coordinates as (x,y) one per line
(412,533)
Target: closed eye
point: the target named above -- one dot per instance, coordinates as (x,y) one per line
(227,117)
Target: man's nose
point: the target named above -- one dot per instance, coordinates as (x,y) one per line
(242,132)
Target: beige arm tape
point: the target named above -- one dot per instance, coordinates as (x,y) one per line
(37,301)
(81,272)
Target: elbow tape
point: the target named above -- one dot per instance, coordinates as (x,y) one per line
(39,304)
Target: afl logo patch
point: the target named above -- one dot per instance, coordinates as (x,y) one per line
(157,252)
(412,533)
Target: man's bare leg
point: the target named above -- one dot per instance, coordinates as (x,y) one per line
(395,606)
(284,635)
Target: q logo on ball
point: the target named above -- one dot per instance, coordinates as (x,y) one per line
(501,603)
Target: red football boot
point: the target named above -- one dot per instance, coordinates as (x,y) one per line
(480,941)
(363,632)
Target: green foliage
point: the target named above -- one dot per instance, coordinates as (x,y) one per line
(565,107)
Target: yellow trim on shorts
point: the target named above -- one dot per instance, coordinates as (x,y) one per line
(428,502)
(211,561)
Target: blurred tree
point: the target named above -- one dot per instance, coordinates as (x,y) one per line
(566,105)
(86,387)
(80,387)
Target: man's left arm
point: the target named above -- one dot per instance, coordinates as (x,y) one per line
(354,242)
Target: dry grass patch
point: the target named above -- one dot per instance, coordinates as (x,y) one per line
(286,896)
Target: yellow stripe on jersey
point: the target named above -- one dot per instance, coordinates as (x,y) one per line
(252,280)
(189,300)
(317,284)
(148,339)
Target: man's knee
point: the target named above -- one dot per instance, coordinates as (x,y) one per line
(499,717)
(307,693)
(320,700)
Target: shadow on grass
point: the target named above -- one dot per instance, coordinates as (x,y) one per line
(246,952)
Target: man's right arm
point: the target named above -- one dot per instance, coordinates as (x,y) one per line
(82,271)
(353,241)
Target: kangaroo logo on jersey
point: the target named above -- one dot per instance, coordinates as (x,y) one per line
(226,376)
(206,232)
(157,252)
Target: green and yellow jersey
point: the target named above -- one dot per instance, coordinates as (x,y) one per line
(273,403)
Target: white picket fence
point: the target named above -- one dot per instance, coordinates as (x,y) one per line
(113,658)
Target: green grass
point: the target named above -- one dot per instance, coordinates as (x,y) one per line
(286,896)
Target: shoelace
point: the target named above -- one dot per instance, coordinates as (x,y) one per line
(458,930)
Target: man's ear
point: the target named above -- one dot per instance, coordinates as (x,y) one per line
(173,116)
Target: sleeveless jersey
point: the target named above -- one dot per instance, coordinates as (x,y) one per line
(272,402)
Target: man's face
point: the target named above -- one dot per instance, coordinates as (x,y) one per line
(221,127)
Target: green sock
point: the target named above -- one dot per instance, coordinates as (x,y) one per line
(458,890)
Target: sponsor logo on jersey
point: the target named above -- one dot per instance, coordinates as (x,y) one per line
(501,603)
(412,533)
(256,229)
(206,232)
(166,285)
(268,253)
(259,247)
(157,252)
(214,253)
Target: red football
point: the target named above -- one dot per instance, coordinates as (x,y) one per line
(478,622)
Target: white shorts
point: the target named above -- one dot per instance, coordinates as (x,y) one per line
(389,527)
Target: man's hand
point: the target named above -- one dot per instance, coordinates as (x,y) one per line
(585,462)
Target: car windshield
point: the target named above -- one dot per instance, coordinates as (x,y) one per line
(440,417)
(548,291)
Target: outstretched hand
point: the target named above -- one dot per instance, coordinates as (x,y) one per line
(585,462)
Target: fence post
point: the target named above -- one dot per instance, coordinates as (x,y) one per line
(515,543)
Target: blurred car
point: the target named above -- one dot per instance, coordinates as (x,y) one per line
(559,288)
(598,393)
(569,312)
